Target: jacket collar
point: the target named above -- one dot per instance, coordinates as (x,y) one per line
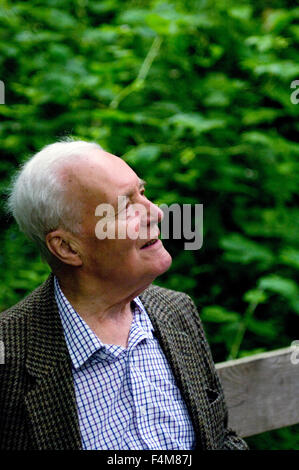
(187,362)
(46,344)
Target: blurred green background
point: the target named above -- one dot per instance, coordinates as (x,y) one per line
(196,96)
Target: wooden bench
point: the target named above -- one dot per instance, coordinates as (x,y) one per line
(262,391)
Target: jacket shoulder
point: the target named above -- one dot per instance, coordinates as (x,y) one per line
(164,294)
(173,306)
(13,318)
(15,322)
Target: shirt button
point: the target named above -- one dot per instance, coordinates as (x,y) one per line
(143,410)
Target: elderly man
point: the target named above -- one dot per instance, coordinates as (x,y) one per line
(97,357)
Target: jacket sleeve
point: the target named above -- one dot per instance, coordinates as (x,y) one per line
(231,440)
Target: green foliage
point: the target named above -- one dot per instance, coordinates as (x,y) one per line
(282,439)
(196,97)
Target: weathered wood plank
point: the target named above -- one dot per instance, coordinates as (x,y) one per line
(262,391)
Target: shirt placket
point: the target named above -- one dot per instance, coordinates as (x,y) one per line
(139,385)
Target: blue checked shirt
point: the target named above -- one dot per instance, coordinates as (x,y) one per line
(126,397)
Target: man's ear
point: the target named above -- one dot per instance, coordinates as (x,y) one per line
(63,247)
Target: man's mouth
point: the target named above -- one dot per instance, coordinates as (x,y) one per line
(151,242)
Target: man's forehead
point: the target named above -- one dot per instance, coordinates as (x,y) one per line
(97,166)
(103,176)
(118,175)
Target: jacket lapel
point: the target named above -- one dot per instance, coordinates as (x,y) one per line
(51,402)
(187,363)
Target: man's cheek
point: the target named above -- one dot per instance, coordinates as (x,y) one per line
(133,228)
(121,229)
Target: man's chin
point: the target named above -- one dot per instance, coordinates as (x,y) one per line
(165,262)
(168,262)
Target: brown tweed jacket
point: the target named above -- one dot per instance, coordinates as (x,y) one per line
(37,398)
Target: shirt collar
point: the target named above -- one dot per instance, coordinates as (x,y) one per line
(142,319)
(81,341)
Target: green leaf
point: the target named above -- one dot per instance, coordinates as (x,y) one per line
(142,153)
(276,20)
(218,314)
(250,352)
(284,69)
(255,296)
(285,287)
(261,115)
(242,12)
(161,24)
(194,122)
(239,249)
(265,329)
(290,257)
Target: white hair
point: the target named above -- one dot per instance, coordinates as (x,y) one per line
(37,196)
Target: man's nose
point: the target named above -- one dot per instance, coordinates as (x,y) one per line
(155,215)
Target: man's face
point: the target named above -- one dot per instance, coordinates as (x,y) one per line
(102,178)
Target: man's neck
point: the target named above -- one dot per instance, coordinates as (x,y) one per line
(107,312)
